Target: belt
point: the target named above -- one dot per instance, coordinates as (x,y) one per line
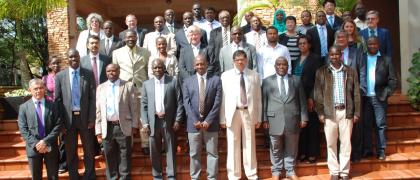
(242,108)
(115,123)
(339,107)
(76,113)
(157,117)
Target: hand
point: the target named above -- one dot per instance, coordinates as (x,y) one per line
(41,147)
(176,126)
(223,126)
(205,125)
(356,119)
(91,125)
(197,124)
(303,124)
(99,137)
(321,119)
(160,115)
(146,129)
(266,125)
(311,105)
(257,125)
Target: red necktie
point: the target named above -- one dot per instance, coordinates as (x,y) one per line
(95,70)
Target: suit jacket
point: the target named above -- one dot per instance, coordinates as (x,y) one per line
(312,64)
(316,42)
(181,40)
(385,45)
(385,78)
(177,27)
(283,115)
(186,62)
(134,70)
(191,96)
(128,108)
(353,59)
(87,97)
(141,32)
(172,103)
(116,43)
(226,57)
(338,21)
(229,98)
(85,62)
(28,126)
(216,42)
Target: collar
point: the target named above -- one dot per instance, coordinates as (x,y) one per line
(237,72)
(275,47)
(92,55)
(332,15)
(375,29)
(197,46)
(170,25)
(110,38)
(285,77)
(319,26)
(377,54)
(160,81)
(116,83)
(240,44)
(71,69)
(332,68)
(358,20)
(204,76)
(36,100)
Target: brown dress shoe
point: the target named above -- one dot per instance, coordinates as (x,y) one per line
(294,177)
(334,177)
(275,177)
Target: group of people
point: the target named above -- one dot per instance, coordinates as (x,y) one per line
(210,75)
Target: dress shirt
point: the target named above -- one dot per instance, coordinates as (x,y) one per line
(338,84)
(159,94)
(250,37)
(196,49)
(108,41)
(375,29)
(286,82)
(81,44)
(346,55)
(150,41)
(112,100)
(42,109)
(360,24)
(237,87)
(236,47)
(325,35)
(97,64)
(267,56)
(199,80)
(205,25)
(371,71)
(171,64)
(171,27)
(71,84)
(332,18)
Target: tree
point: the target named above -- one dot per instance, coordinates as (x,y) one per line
(263,4)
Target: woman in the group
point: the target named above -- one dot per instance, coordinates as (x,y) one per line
(94,23)
(306,67)
(289,39)
(171,61)
(306,18)
(355,40)
(280,20)
(53,67)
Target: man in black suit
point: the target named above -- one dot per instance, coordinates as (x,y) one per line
(94,62)
(40,125)
(321,36)
(131,22)
(170,24)
(75,98)
(334,21)
(220,37)
(181,36)
(110,42)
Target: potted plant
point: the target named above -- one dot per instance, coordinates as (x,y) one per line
(414,81)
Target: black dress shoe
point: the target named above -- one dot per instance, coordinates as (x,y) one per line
(334,177)
(356,160)
(381,156)
(62,171)
(345,178)
(311,160)
(146,151)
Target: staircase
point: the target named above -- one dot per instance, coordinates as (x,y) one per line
(403,153)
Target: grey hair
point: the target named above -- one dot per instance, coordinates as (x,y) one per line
(35,81)
(193,28)
(96,16)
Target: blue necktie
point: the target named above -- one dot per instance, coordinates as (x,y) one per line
(75,91)
(372,32)
(324,50)
(330,20)
(41,128)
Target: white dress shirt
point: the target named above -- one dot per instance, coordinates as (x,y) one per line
(82,40)
(250,37)
(196,49)
(237,87)
(159,95)
(360,24)
(286,83)
(42,109)
(112,100)
(205,25)
(266,58)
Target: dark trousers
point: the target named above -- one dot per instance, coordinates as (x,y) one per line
(117,150)
(309,144)
(62,152)
(51,162)
(357,136)
(375,114)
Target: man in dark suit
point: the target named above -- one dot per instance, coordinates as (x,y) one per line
(39,124)
(220,37)
(202,96)
(110,42)
(383,34)
(181,36)
(334,21)
(131,22)
(94,62)
(322,36)
(75,97)
(284,112)
(161,112)
(375,92)
(170,24)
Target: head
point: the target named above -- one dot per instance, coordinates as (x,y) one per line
(329,6)
(281,65)
(224,18)
(74,58)
(248,16)
(321,18)
(130,38)
(158,67)
(131,21)
(290,23)
(94,21)
(210,14)
(158,23)
(236,34)
(360,11)
(161,45)
(187,18)
(112,72)
(304,44)
(349,26)
(108,28)
(341,38)
(272,35)
(54,64)
(373,45)
(37,88)
(169,16)
(194,34)
(346,15)
(240,60)
(334,56)
(200,64)
(255,23)
(372,18)
(93,44)
(306,17)
(280,15)
(196,9)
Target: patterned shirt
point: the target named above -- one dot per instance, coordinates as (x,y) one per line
(338,84)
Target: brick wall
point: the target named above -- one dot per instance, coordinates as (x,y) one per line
(58,33)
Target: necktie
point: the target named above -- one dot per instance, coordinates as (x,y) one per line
(95,70)
(323,40)
(211,25)
(331,21)
(257,40)
(41,128)
(75,91)
(202,96)
(242,89)
(372,32)
(282,88)
(225,38)
(107,45)
(111,104)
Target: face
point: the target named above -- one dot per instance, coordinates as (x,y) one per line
(372,20)
(272,36)
(200,65)
(94,23)
(108,30)
(279,17)
(248,16)
(209,15)
(240,62)
(255,23)
(54,65)
(93,45)
(304,45)
(194,38)
(349,28)
(37,90)
(196,9)
(161,45)
(281,67)
(158,69)
(131,22)
(224,19)
(74,59)
(187,18)
(360,10)
(112,72)
(290,25)
(130,39)
(158,23)
(329,8)
(170,16)
(306,18)
(341,40)
(373,46)
(321,18)
(335,55)
(236,34)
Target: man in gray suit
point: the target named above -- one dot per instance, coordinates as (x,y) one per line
(161,112)
(40,125)
(110,42)
(350,55)
(75,97)
(202,95)
(284,112)
(225,56)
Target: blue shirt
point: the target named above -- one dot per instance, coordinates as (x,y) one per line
(346,55)
(371,68)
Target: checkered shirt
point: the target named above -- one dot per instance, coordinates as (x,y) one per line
(338,84)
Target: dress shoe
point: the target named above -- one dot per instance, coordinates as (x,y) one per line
(302,158)
(381,156)
(367,154)
(334,177)
(62,171)
(146,151)
(356,160)
(345,178)
(294,177)
(311,160)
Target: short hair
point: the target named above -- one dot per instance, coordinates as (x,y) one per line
(272,27)
(202,56)
(239,53)
(161,38)
(35,81)
(303,36)
(109,22)
(130,31)
(282,58)
(93,37)
(224,11)
(307,11)
(376,38)
(210,9)
(329,1)
(374,12)
(341,31)
(293,18)
(129,16)
(96,16)
(193,28)
(113,64)
(335,47)
(158,60)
